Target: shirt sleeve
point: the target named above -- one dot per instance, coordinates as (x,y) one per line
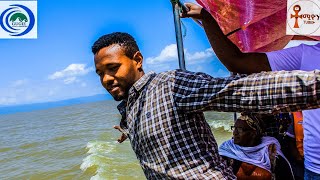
(286,59)
(269,92)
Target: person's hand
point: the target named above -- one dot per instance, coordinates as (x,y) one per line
(272,155)
(123,136)
(194,11)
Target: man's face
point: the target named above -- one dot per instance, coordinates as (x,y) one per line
(117,71)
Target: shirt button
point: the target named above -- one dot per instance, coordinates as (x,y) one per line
(148,114)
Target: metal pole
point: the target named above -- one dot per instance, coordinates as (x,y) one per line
(176,15)
(234,114)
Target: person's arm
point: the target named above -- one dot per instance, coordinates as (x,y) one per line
(227,52)
(280,91)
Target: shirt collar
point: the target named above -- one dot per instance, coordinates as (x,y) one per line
(138,85)
(122,107)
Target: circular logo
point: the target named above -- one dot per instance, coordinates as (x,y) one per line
(303,17)
(17,20)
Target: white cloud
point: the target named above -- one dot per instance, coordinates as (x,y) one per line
(206,55)
(199,69)
(46,91)
(70,73)
(7,100)
(69,80)
(51,92)
(83,84)
(19,83)
(67,84)
(170,54)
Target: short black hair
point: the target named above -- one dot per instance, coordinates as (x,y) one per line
(125,40)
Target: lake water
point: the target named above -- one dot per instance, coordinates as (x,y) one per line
(75,142)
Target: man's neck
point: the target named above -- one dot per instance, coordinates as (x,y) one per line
(140,74)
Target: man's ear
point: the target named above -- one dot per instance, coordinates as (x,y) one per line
(139,59)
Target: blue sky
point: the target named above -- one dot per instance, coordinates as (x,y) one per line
(59,64)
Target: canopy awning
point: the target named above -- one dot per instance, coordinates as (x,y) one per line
(253,25)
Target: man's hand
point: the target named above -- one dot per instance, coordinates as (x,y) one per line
(194,11)
(123,137)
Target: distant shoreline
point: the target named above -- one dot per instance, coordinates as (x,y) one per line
(46,105)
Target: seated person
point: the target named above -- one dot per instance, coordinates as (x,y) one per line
(253,156)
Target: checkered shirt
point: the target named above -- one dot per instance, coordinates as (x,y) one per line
(163,116)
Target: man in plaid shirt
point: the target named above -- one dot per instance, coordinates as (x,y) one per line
(162,114)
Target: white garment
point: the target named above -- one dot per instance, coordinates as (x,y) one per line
(257,155)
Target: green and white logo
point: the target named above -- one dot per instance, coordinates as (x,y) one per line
(18,19)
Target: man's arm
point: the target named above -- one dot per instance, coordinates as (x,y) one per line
(269,92)
(228,53)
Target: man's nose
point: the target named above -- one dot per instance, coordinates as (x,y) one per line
(107,79)
(235,132)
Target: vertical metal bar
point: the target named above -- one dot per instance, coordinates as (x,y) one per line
(234,114)
(176,15)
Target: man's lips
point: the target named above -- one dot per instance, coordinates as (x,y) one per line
(113,89)
(236,138)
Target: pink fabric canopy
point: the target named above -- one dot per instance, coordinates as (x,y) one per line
(262,23)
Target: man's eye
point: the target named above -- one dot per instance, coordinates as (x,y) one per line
(114,68)
(99,73)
